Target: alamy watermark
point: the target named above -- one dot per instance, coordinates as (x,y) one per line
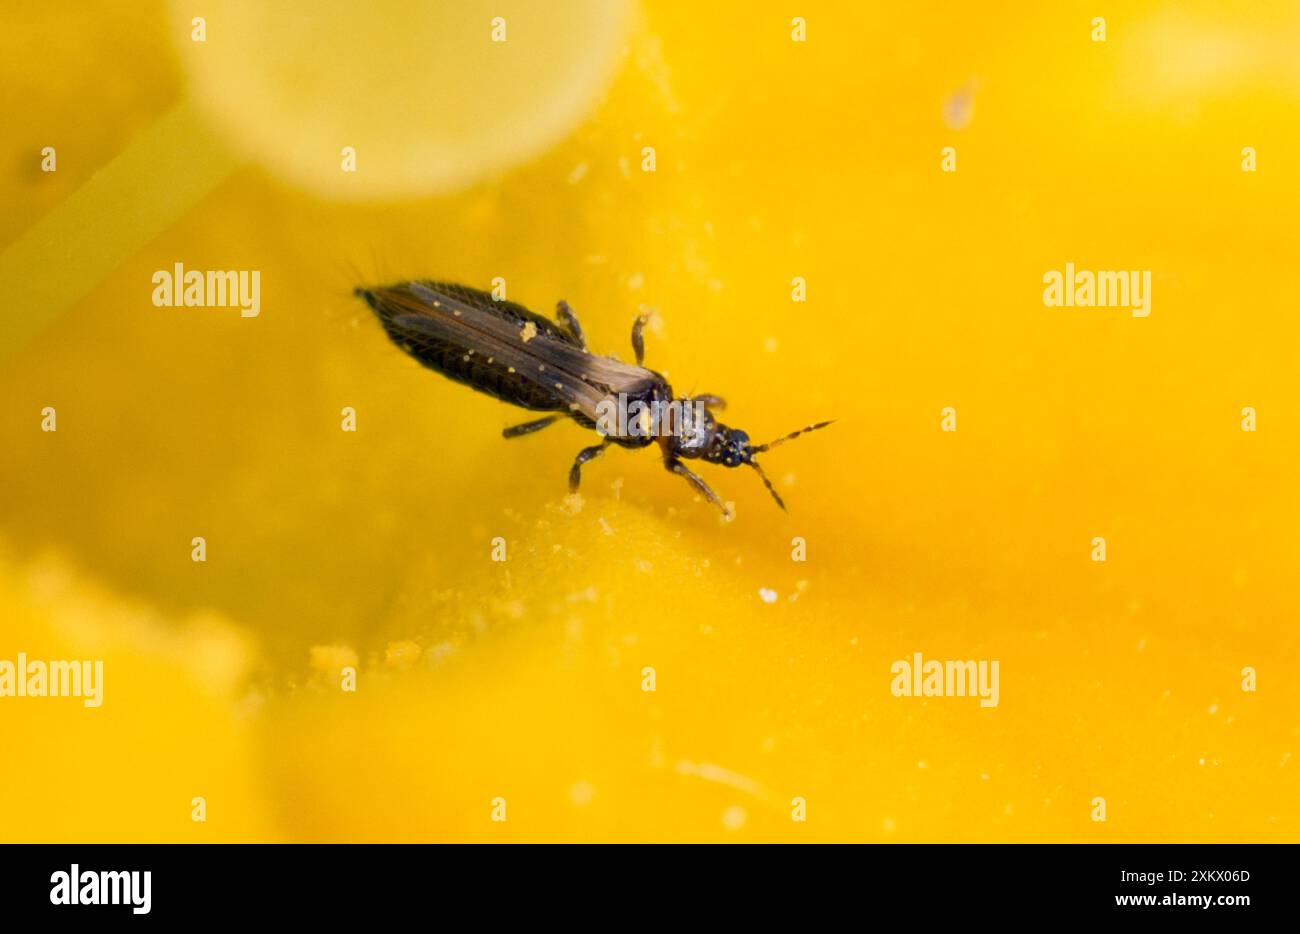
(196,288)
(616,417)
(919,677)
(1106,288)
(88,887)
(26,677)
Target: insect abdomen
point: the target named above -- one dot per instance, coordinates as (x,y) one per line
(458,361)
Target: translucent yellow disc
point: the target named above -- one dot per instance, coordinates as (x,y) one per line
(430,97)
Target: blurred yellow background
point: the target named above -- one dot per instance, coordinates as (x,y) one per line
(522,679)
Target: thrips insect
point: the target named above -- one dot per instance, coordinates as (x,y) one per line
(512,354)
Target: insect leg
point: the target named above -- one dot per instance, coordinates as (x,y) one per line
(711,401)
(528,428)
(701,487)
(586,454)
(638,341)
(570,322)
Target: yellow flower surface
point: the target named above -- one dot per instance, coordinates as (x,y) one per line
(409,631)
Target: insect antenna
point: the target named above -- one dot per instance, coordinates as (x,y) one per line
(760,448)
(768,483)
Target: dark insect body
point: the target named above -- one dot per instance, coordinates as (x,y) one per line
(512,354)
